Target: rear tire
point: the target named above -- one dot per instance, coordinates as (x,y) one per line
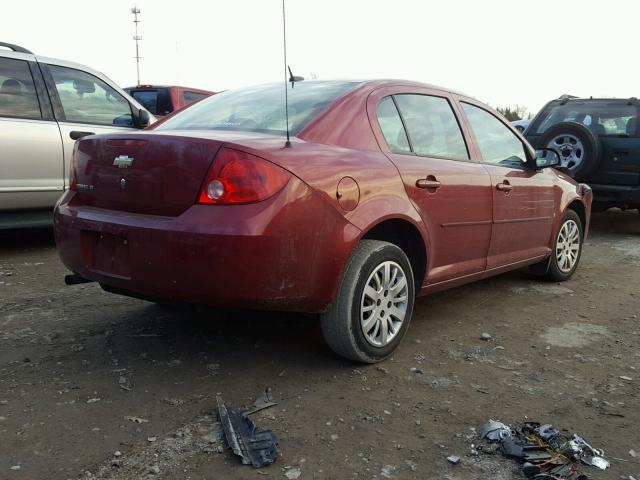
(567,249)
(377,288)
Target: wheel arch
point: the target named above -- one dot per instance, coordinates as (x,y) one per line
(407,236)
(577,206)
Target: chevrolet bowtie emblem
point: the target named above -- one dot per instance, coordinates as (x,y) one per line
(123,161)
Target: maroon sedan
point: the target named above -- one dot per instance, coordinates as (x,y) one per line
(388,190)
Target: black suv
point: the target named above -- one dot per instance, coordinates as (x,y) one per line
(598,142)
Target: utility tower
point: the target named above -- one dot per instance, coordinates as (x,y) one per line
(137,38)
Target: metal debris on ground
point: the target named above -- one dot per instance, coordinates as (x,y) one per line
(254,447)
(545,452)
(265,401)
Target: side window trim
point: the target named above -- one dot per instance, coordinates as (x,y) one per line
(472,132)
(455,116)
(41,90)
(56,104)
(404,127)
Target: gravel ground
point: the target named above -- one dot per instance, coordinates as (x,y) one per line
(93,385)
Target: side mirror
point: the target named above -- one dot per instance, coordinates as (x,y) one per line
(547,157)
(143,119)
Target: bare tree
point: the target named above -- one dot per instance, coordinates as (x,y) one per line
(513,113)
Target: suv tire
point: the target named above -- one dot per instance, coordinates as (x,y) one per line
(377,288)
(578,147)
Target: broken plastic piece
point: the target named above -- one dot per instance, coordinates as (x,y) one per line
(254,447)
(511,448)
(453,459)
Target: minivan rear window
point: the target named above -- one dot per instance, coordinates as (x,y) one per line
(261,108)
(156,100)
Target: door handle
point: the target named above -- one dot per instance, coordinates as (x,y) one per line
(504,186)
(76,135)
(429,182)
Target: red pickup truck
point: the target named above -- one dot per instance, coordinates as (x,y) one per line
(164,99)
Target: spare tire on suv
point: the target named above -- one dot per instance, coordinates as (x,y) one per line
(577,146)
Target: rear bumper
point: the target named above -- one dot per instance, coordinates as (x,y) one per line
(616,195)
(286,253)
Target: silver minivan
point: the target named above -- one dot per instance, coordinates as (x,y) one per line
(45,106)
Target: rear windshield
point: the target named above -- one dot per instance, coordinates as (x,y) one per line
(260,109)
(602,118)
(156,100)
(190,97)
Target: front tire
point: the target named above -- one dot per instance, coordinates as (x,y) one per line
(567,248)
(374,303)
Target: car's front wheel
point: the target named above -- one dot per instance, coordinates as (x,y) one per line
(373,305)
(567,248)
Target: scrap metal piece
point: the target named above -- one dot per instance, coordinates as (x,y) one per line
(587,454)
(598,462)
(254,447)
(495,431)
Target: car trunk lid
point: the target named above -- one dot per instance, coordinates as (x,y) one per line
(142,173)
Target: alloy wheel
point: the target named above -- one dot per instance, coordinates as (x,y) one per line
(384,304)
(568,246)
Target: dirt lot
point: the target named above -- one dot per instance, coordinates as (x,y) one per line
(79,366)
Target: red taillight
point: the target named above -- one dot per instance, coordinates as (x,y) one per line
(239,177)
(73,181)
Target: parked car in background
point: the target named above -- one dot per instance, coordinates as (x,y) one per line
(163,100)
(521,125)
(387,190)
(598,142)
(45,106)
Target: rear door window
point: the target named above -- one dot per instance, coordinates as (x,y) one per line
(498,144)
(156,100)
(432,127)
(87,99)
(391,126)
(18,96)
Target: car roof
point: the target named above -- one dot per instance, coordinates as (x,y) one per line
(594,99)
(388,82)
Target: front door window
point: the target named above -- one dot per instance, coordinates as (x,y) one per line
(87,99)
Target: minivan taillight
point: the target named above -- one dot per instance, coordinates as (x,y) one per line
(73,181)
(239,177)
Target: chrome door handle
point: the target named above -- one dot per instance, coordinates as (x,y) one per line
(504,186)
(428,183)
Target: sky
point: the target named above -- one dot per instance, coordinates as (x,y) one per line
(503,52)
